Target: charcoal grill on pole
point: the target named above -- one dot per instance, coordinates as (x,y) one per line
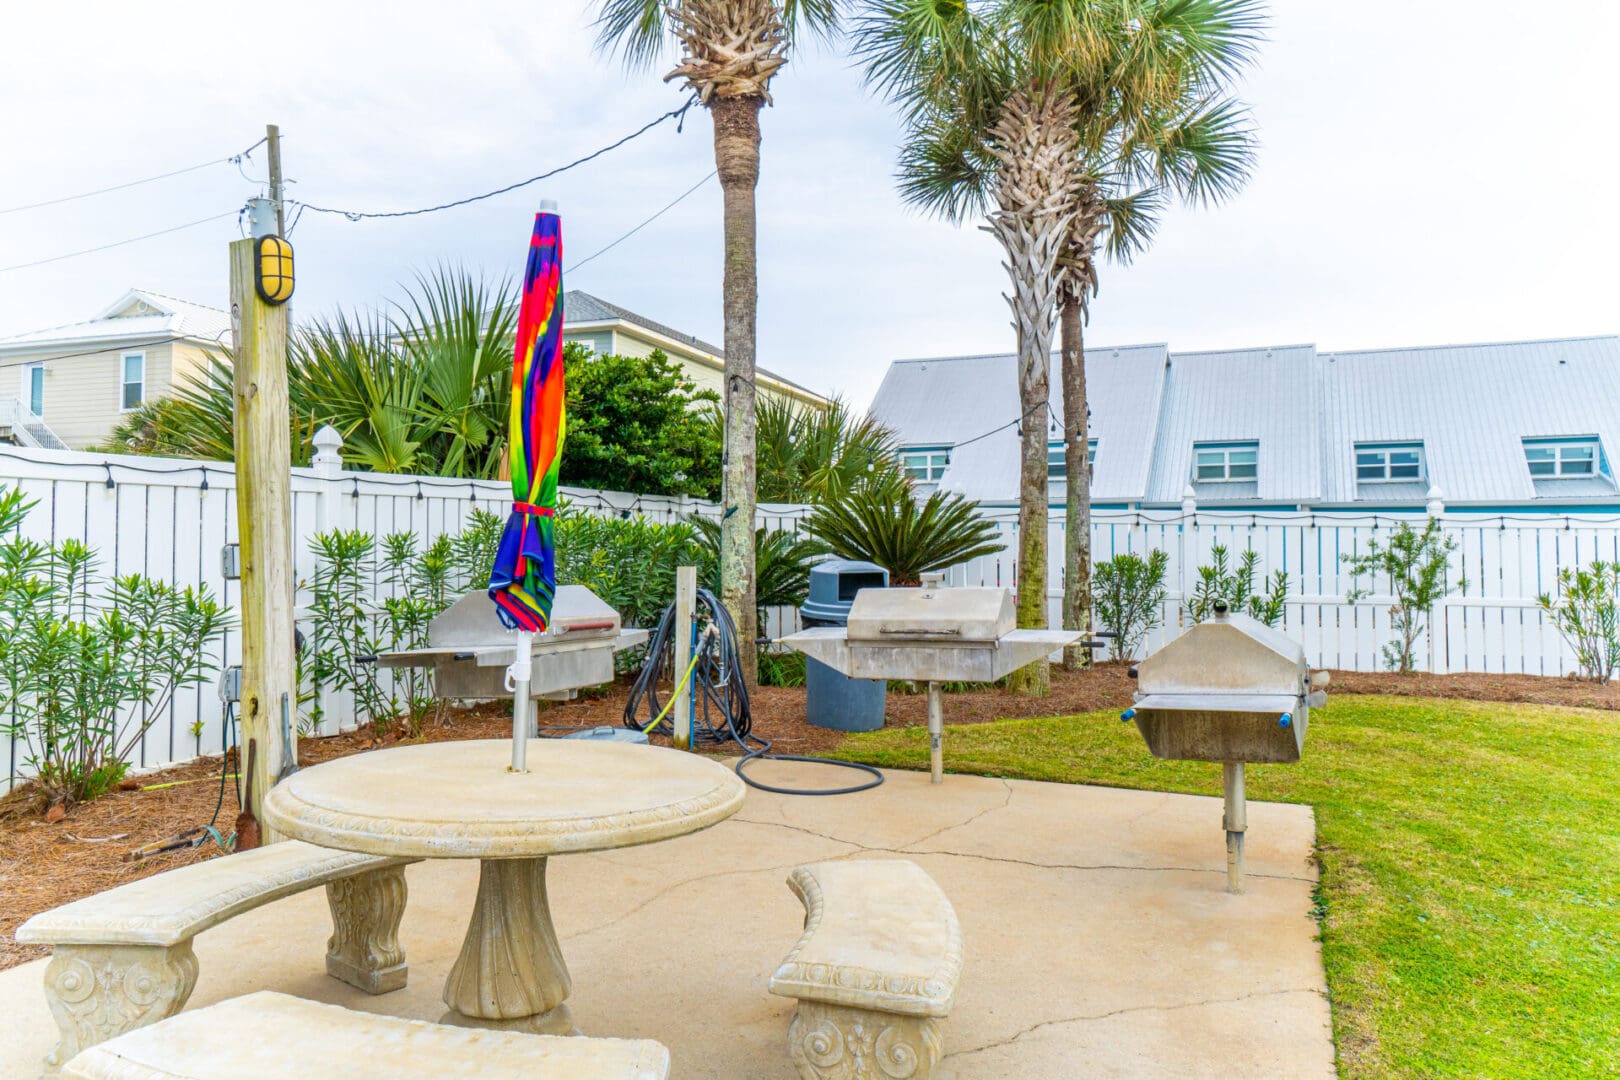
(470,651)
(1233,690)
(934,635)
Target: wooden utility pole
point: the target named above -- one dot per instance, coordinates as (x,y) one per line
(272,136)
(269,705)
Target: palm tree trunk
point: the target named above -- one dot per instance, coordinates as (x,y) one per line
(1077,532)
(736,157)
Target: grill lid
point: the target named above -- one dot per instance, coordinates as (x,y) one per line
(1229,654)
(934,614)
(471,622)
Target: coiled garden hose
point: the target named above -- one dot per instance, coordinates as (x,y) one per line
(716,673)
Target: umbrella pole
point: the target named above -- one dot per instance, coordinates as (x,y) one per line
(518,677)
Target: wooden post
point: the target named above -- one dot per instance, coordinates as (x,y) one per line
(685,599)
(264,524)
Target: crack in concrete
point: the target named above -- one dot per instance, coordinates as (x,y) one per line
(1005,802)
(637,908)
(1087,1017)
(911,849)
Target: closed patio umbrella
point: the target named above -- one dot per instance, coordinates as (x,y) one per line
(523,580)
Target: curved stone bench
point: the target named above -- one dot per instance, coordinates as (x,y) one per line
(273,1035)
(875,971)
(123,959)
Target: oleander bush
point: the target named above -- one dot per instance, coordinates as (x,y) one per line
(88,664)
(1586,611)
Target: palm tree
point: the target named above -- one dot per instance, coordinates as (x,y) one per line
(991,122)
(808,454)
(423,389)
(1155,124)
(729,52)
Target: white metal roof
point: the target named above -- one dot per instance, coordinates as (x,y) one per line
(950,401)
(1248,395)
(137,315)
(1471,406)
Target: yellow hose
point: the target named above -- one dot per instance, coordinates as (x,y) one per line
(676,696)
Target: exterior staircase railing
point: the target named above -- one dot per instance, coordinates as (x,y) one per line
(19,426)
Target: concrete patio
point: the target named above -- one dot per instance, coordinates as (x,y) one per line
(1100,940)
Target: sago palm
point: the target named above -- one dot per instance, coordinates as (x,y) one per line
(885,524)
(729,51)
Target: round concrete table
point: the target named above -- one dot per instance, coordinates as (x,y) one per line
(460,800)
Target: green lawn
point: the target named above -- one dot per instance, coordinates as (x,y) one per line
(1470,858)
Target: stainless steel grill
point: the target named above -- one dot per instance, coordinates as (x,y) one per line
(1231,690)
(469,650)
(934,635)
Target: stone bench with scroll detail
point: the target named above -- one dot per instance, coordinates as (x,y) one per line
(874,972)
(122,958)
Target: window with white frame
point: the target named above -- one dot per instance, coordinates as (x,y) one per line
(133,390)
(925,464)
(1215,463)
(1550,459)
(1057,466)
(1380,462)
(33,384)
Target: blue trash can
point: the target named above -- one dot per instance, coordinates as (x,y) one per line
(832,699)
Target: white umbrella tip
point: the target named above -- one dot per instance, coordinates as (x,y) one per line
(548,206)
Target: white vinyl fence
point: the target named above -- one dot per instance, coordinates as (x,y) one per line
(169,518)
(1492,624)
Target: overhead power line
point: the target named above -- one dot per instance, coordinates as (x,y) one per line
(677,115)
(119,243)
(678,199)
(233,158)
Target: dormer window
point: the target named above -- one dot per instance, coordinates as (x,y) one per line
(1057,466)
(925,464)
(1552,459)
(1389,462)
(1217,463)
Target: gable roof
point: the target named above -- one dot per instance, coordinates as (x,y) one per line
(1471,406)
(582,307)
(139,315)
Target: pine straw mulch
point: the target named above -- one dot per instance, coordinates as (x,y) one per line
(45,865)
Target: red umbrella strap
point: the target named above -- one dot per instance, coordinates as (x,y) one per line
(530,508)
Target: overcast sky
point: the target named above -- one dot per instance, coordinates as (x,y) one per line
(1429,173)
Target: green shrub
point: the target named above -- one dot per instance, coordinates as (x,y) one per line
(1219,581)
(782,562)
(781,668)
(882,522)
(628,562)
(76,660)
(1416,566)
(1127,593)
(1587,614)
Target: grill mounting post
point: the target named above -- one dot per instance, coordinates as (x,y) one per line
(1236,822)
(936,732)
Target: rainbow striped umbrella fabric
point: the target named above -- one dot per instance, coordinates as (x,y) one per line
(523,580)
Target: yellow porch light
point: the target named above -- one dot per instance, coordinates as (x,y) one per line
(273,269)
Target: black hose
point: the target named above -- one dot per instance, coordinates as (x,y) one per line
(717,681)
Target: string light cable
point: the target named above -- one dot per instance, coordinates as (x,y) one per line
(678,115)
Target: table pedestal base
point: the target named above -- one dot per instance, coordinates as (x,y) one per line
(510,973)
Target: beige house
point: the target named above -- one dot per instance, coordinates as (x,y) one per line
(71,385)
(609,329)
